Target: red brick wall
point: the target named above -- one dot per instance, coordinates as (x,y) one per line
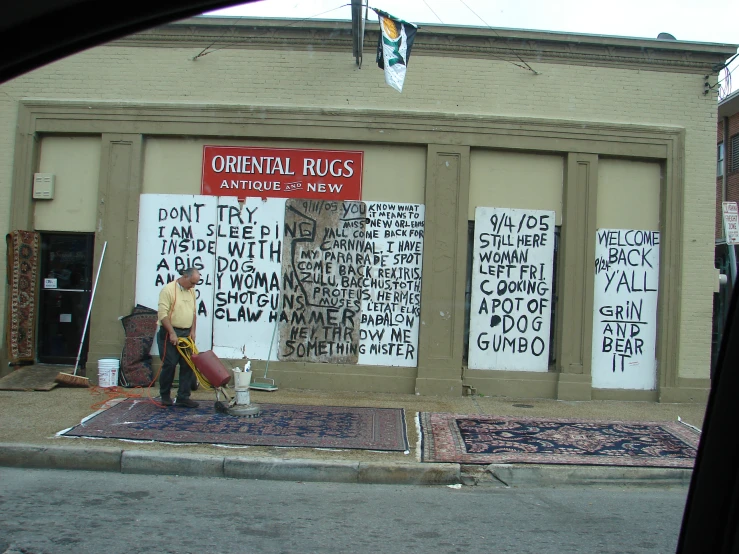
(732,181)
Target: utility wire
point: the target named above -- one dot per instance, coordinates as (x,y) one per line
(433,12)
(528,67)
(525,65)
(204,53)
(727,63)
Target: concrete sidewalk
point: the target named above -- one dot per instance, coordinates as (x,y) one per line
(30,421)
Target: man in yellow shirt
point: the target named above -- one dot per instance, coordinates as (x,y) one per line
(177,317)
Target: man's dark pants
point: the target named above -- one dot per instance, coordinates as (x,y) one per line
(170,358)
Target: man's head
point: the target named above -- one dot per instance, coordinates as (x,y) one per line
(190,278)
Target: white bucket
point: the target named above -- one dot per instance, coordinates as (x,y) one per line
(108,372)
(241,385)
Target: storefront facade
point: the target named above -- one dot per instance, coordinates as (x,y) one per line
(612,138)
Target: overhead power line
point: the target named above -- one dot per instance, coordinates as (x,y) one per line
(433,12)
(527,66)
(205,51)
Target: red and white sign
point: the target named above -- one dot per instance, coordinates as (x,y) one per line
(244,171)
(731,222)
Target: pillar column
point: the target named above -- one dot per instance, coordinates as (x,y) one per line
(118,209)
(576,277)
(444,271)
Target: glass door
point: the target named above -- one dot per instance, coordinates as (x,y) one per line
(66,288)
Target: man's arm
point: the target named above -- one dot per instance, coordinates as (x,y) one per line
(167,324)
(194,324)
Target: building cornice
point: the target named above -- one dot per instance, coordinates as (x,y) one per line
(439,40)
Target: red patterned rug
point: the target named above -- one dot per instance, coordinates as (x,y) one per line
(473,439)
(22,268)
(277,425)
(140,327)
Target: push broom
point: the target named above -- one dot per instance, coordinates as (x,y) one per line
(72,379)
(269,386)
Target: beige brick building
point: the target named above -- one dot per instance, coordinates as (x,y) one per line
(605,133)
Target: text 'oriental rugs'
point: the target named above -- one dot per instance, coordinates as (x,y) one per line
(277,425)
(486,439)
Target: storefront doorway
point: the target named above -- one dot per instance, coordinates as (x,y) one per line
(66,287)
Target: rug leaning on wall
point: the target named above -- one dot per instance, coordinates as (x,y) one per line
(22,270)
(140,327)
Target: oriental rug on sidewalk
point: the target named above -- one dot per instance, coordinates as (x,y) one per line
(277,425)
(485,439)
(22,267)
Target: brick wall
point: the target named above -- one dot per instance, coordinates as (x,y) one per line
(443,84)
(732,180)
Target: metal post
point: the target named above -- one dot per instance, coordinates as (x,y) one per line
(732,264)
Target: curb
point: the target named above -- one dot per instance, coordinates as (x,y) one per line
(289,469)
(204,465)
(551,475)
(56,457)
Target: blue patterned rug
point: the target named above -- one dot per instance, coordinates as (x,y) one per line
(472,439)
(277,425)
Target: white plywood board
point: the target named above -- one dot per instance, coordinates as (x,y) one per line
(391,299)
(510,309)
(248,269)
(239,250)
(625,309)
(177,231)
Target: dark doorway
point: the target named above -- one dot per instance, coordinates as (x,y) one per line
(66,287)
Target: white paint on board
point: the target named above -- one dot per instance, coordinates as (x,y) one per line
(510,309)
(248,268)
(238,251)
(177,231)
(625,309)
(391,299)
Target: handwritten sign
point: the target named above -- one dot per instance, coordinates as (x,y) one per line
(511,289)
(391,299)
(245,172)
(731,222)
(248,275)
(292,280)
(625,318)
(177,231)
(324,256)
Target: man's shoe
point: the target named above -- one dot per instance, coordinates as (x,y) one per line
(195,384)
(185,403)
(165,400)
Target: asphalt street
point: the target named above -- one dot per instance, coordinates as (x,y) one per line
(52,511)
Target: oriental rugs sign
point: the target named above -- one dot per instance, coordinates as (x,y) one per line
(247,172)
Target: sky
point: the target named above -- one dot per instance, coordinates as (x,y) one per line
(691,20)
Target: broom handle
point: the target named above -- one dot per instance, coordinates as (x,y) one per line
(89,308)
(274,330)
